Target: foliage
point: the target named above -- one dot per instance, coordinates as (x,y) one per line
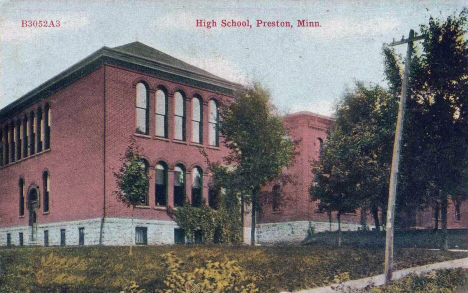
(110,269)
(132,178)
(215,277)
(354,166)
(214,225)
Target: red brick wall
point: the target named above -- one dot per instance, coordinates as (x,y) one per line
(74,160)
(120,109)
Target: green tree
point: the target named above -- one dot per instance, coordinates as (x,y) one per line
(258,145)
(435,150)
(132,179)
(354,166)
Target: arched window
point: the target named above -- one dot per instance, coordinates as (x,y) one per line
(161,184)
(276,193)
(21,197)
(214,123)
(161,113)
(179,185)
(39,131)
(32,133)
(18,139)
(145,167)
(12,142)
(142,109)
(197,187)
(25,136)
(47,127)
(213,198)
(46,188)
(197,125)
(320,142)
(179,116)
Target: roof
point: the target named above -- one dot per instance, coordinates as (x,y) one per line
(134,56)
(310,114)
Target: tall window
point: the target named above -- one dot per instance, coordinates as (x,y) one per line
(197,125)
(25,136)
(142,109)
(46,188)
(457,210)
(161,184)
(276,194)
(81,236)
(214,123)
(12,142)
(21,197)
(179,185)
(39,129)
(161,113)
(32,134)
(18,139)
(1,147)
(7,146)
(145,167)
(47,127)
(197,187)
(179,116)
(320,143)
(141,235)
(213,198)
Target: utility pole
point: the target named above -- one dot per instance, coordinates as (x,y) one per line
(396,157)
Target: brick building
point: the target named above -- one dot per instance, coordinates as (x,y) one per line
(61,142)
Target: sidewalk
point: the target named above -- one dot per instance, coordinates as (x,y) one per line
(380,279)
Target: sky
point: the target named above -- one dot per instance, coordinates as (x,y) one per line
(305,68)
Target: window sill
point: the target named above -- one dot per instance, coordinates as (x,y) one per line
(196,144)
(162,138)
(179,141)
(213,147)
(21,217)
(277,212)
(142,207)
(161,208)
(46,213)
(142,135)
(27,158)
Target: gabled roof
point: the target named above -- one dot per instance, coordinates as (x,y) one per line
(134,56)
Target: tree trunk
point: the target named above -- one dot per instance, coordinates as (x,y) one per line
(338,217)
(436,216)
(444,223)
(242,219)
(330,220)
(131,233)
(254,216)
(363,219)
(375,214)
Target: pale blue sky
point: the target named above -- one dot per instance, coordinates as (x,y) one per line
(305,68)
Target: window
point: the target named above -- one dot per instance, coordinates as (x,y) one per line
(39,129)
(214,123)
(18,140)
(141,234)
(161,113)
(457,211)
(32,134)
(47,127)
(21,197)
(179,236)
(8,241)
(46,237)
(145,167)
(276,193)
(1,148)
(25,136)
(142,109)
(12,142)
(46,188)
(213,198)
(179,116)
(197,187)
(161,184)
(320,142)
(7,146)
(21,238)
(179,185)
(197,124)
(81,236)
(62,237)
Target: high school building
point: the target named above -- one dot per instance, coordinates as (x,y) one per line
(61,143)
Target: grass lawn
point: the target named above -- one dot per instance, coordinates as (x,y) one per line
(109,269)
